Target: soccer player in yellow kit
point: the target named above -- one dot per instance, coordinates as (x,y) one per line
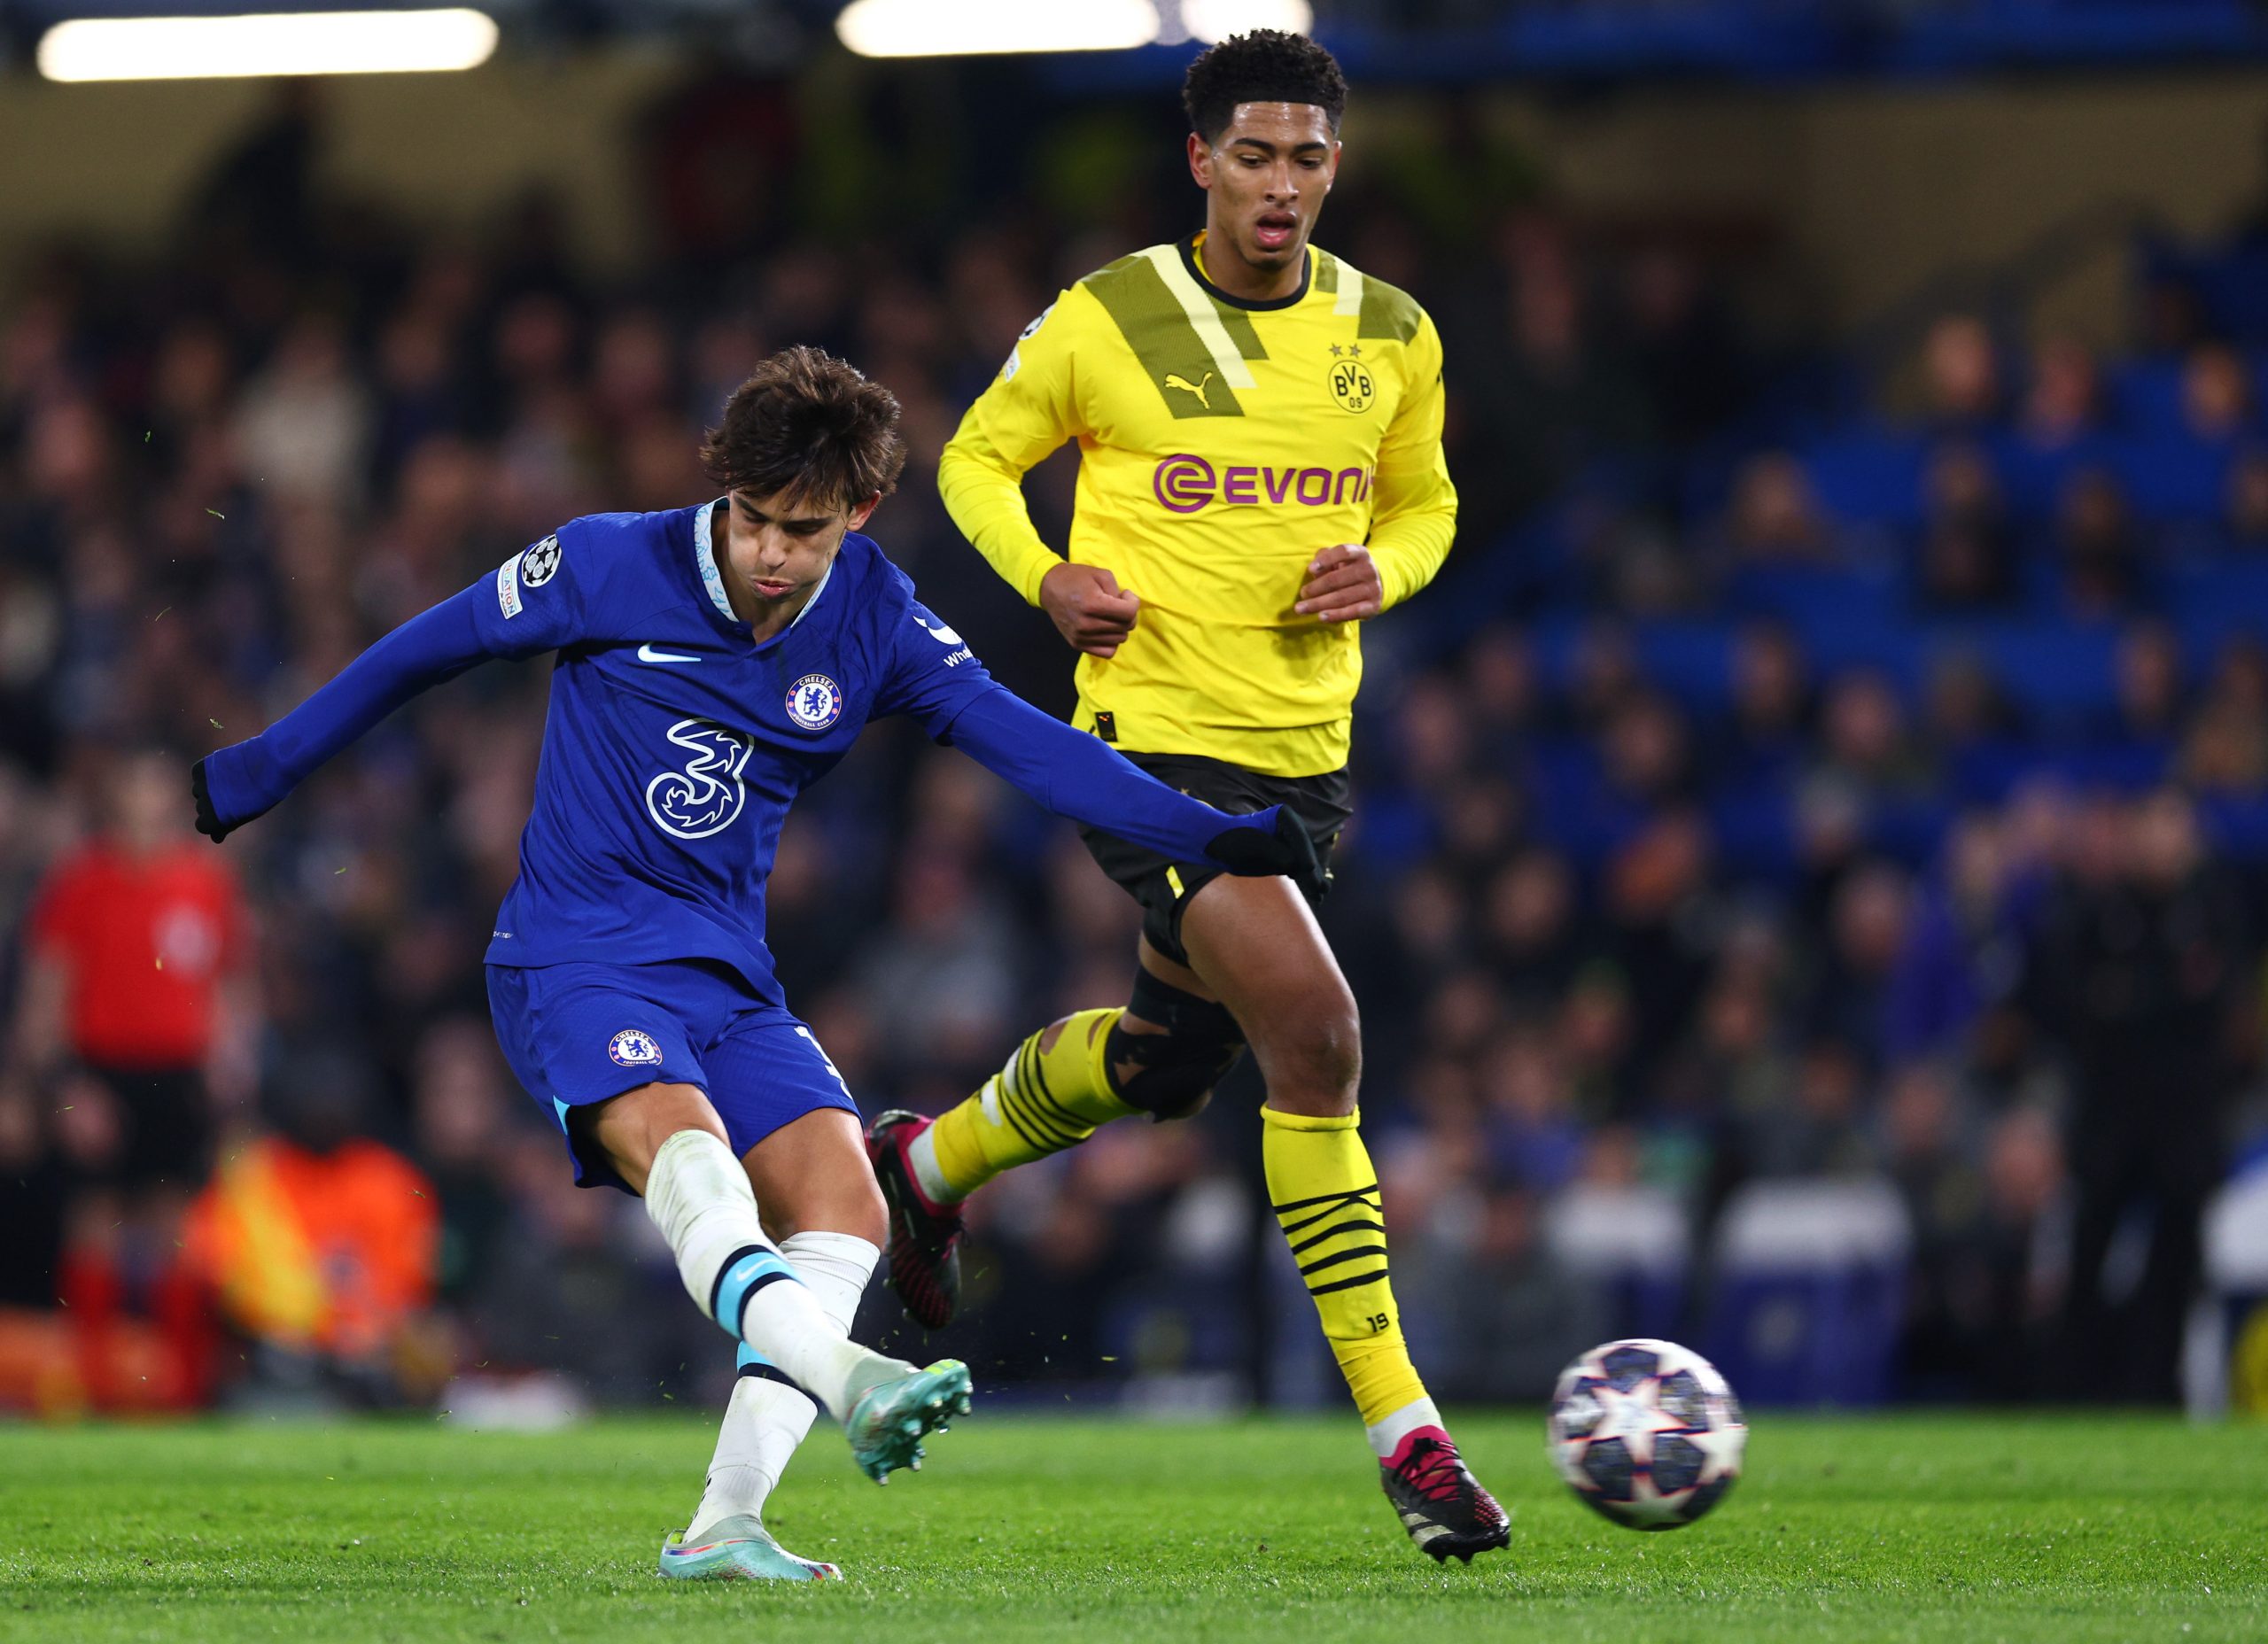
(1260,436)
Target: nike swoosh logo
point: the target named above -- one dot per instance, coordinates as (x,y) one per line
(648,654)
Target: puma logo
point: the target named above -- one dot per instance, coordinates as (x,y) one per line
(1175,379)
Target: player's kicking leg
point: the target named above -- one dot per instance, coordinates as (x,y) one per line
(668,1145)
(827,1218)
(1260,969)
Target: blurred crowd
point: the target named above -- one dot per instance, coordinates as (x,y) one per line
(1866,782)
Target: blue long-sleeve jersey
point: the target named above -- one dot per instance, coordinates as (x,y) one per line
(674,744)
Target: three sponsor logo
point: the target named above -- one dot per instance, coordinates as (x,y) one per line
(704,796)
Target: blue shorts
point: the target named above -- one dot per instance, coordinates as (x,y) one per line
(580,1033)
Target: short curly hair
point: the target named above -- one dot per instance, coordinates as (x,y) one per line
(1265,65)
(810,425)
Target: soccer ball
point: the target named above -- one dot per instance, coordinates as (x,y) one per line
(1647,1433)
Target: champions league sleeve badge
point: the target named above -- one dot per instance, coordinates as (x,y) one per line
(538,564)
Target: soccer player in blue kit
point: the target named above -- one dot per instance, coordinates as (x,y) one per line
(712,662)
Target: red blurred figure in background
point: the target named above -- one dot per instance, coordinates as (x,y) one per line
(137,976)
(137,1014)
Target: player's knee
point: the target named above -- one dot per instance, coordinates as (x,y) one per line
(1170,1075)
(628,1130)
(867,1215)
(1311,1055)
(853,1205)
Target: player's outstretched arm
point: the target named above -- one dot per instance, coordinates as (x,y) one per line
(236,784)
(1074,775)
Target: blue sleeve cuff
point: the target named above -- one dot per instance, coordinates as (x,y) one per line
(243,781)
(1075,775)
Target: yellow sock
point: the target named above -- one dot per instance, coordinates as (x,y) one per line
(1052,1095)
(1325,1195)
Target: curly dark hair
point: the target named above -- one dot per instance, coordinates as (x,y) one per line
(1265,65)
(810,425)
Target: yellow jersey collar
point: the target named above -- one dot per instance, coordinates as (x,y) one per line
(1191,259)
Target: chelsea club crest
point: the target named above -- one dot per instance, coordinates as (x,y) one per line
(814,701)
(633,1048)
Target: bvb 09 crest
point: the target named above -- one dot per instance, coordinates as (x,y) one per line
(1351,385)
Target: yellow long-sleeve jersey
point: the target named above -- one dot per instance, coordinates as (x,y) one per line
(1223,445)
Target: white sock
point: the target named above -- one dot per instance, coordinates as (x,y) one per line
(1386,1433)
(699,1197)
(767,1419)
(921,1153)
(836,1267)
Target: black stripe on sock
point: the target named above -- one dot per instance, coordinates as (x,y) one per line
(1028,1136)
(1040,1106)
(1344,1227)
(1335,1284)
(717,1285)
(761,1280)
(1037,1109)
(1344,1255)
(1045,1100)
(1035,1126)
(1016,1125)
(1322,1199)
(774,1373)
(1351,1201)
(1039,1101)
(1039,1080)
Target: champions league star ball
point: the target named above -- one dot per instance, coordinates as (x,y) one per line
(1647,1433)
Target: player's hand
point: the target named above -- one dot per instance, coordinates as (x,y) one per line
(1342,585)
(208,819)
(1265,844)
(1089,608)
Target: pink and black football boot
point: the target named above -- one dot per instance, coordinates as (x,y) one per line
(924,1235)
(1442,1504)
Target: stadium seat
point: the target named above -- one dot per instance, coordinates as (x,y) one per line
(2033,476)
(1691,660)
(2216,600)
(1877,477)
(2145,397)
(2237,823)
(2057,674)
(1808,1288)
(1754,830)
(2172,476)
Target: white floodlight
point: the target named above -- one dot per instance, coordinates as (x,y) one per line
(1212,21)
(280,44)
(961,27)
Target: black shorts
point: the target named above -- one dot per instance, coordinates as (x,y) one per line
(1163,885)
(167,1124)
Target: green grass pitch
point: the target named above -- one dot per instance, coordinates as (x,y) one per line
(1971,1528)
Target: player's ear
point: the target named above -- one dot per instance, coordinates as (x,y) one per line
(1201,160)
(865,511)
